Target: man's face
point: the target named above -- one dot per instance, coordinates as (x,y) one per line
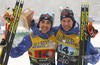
(45,26)
(67,24)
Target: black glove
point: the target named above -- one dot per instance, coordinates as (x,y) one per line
(32,22)
(3,42)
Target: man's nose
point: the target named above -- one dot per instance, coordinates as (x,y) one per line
(45,24)
(66,23)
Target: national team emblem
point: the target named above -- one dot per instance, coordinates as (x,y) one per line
(64,16)
(45,17)
(33,35)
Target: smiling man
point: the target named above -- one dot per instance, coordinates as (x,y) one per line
(45,26)
(40,44)
(68,41)
(67,24)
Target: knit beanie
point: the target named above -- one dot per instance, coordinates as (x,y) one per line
(46,16)
(66,12)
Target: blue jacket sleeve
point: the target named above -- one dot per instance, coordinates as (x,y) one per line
(93,50)
(95,54)
(22,47)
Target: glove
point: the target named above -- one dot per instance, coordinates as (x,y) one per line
(93,59)
(32,22)
(3,43)
(87,58)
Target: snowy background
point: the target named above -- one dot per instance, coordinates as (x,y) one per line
(53,6)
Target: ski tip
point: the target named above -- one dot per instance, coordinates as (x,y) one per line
(87,3)
(83,3)
(22,0)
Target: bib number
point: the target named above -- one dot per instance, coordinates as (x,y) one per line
(44,53)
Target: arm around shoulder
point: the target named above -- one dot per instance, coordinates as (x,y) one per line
(22,47)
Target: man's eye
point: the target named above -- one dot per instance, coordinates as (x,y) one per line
(48,22)
(68,20)
(42,21)
(63,20)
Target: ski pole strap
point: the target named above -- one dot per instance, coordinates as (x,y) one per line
(8,17)
(90,31)
(5,17)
